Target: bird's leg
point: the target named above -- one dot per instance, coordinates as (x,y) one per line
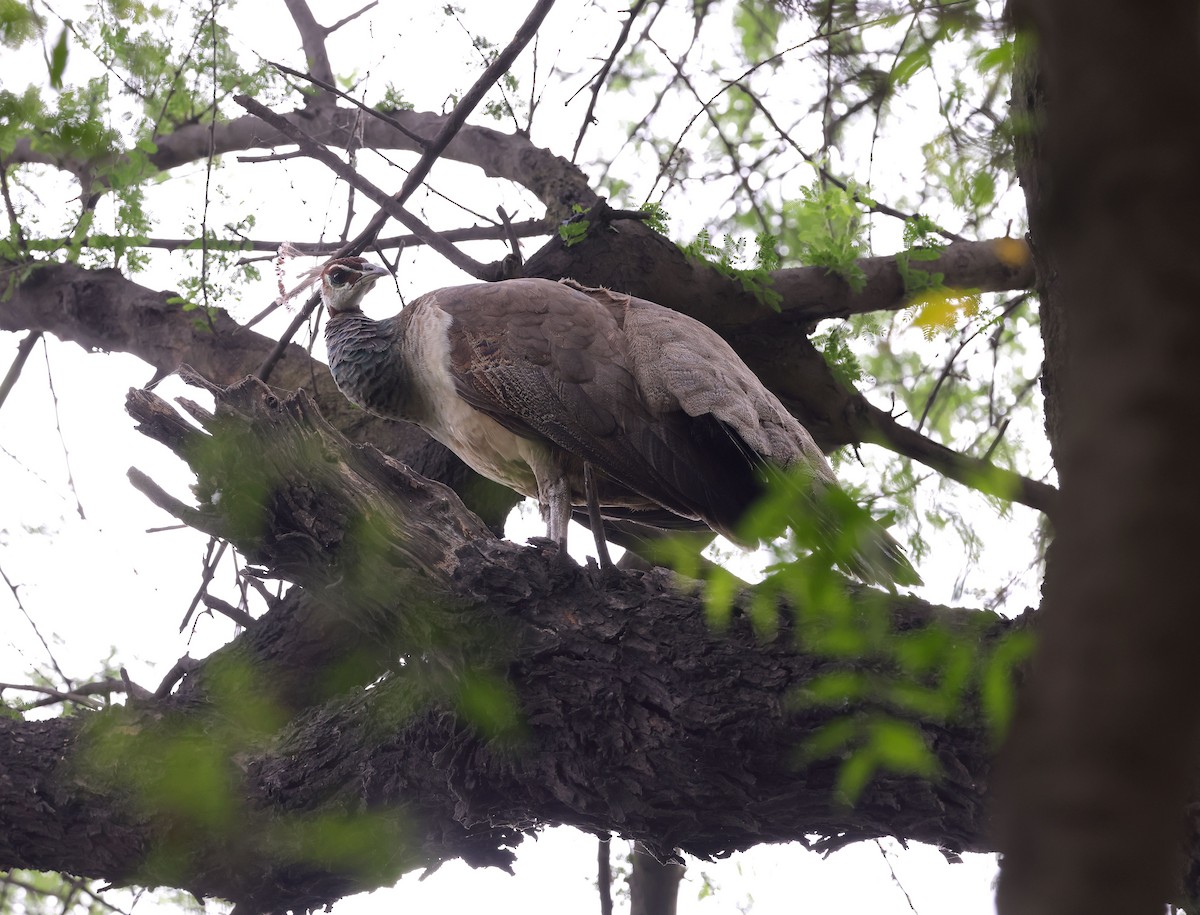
(592,493)
(554,494)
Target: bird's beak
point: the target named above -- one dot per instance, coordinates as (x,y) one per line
(374,272)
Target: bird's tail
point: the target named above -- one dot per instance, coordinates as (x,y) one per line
(878,559)
(825,520)
(856,542)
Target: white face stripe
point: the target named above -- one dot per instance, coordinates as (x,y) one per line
(345,281)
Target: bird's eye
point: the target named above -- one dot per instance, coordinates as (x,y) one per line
(338,277)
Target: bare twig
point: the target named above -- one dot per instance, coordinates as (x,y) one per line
(421,141)
(524,229)
(55,695)
(345,20)
(458,117)
(133,690)
(105,687)
(24,612)
(389,204)
(168,503)
(602,77)
(239,616)
(210,569)
(61,437)
(178,671)
(24,348)
(895,879)
(514,240)
(281,345)
(208,167)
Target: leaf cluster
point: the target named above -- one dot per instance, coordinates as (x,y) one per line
(824,227)
(728,258)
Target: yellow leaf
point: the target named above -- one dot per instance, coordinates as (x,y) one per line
(1012,252)
(939,309)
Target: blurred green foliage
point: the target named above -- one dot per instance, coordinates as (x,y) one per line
(878,684)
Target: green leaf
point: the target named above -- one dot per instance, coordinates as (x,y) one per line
(720,591)
(489,703)
(910,65)
(757,25)
(832,689)
(18,23)
(999,59)
(657,218)
(982,189)
(899,746)
(824,227)
(997,692)
(58,59)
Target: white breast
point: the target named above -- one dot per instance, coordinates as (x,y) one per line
(481,442)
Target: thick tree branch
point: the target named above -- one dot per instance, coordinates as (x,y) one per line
(102,310)
(557,183)
(627,703)
(312,38)
(810,294)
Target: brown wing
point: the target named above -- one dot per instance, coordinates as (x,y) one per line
(549,360)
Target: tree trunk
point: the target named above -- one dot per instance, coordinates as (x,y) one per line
(1103,755)
(653,884)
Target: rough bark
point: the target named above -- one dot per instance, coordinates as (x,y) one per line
(1103,756)
(627,702)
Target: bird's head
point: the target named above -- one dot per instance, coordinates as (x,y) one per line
(345,281)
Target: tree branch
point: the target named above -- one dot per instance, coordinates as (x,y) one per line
(554,180)
(812,294)
(102,310)
(387,203)
(473,96)
(24,348)
(977,473)
(617,689)
(312,38)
